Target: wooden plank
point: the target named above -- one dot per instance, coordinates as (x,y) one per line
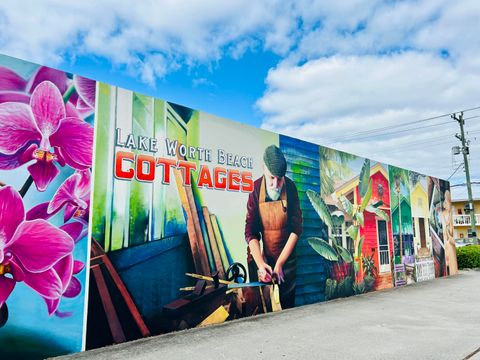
(217,317)
(199,259)
(213,243)
(112,317)
(98,254)
(198,230)
(218,238)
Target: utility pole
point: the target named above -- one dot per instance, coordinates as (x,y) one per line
(465,152)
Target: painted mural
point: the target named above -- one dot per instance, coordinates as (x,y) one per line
(354,205)
(194,220)
(46,122)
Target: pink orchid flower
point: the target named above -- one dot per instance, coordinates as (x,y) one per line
(77,231)
(42,132)
(35,252)
(13,88)
(74,194)
(74,287)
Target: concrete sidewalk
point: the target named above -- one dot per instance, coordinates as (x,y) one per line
(439,319)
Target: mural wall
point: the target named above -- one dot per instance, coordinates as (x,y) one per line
(46,122)
(195,220)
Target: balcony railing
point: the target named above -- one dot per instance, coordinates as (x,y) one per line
(465,220)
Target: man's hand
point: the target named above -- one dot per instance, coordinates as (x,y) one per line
(265,273)
(278,272)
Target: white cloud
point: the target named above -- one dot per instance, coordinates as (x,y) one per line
(388,63)
(150,38)
(347,65)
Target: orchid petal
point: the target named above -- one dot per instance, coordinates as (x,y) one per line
(83,109)
(86,89)
(60,158)
(74,229)
(17,272)
(38,245)
(10,80)
(6,288)
(72,111)
(17,127)
(75,138)
(83,220)
(83,187)
(39,212)
(14,96)
(78,266)
(43,73)
(64,269)
(73,289)
(47,107)
(12,213)
(52,305)
(70,210)
(65,193)
(23,155)
(46,283)
(43,172)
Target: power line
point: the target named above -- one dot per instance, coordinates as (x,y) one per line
(402,131)
(458,167)
(464,184)
(399,125)
(430,140)
(472,117)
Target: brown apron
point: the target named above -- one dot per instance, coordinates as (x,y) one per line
(274,218)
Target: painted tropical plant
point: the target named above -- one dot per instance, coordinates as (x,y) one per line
(335,253)
(400,178)
(334,165)
(44,127)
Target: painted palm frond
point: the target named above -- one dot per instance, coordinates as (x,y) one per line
(359,218)
(399,175)
(380,213)
(347,205)
(320,207)
(344,253)
(323,248)
(352,231)
(333,167)
(360,245)
(368,195)
(364,178)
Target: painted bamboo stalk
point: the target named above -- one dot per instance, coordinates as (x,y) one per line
(213,243)
(218,238)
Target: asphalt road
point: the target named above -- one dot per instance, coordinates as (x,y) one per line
(439,319)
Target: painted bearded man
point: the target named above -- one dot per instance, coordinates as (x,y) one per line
(274,218)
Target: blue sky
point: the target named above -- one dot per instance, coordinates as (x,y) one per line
(323,71)
(227,88)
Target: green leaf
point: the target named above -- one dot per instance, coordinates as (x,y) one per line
(367,197)
(360,245)
(359,217)
(323,248)
(345,287)
(330,289)
(320,207)
(352,231)
(347,205)
(364,178)
(380,213)
(359,288)
(338,217)
(344,253)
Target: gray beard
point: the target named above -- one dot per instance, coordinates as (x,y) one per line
(274,194)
